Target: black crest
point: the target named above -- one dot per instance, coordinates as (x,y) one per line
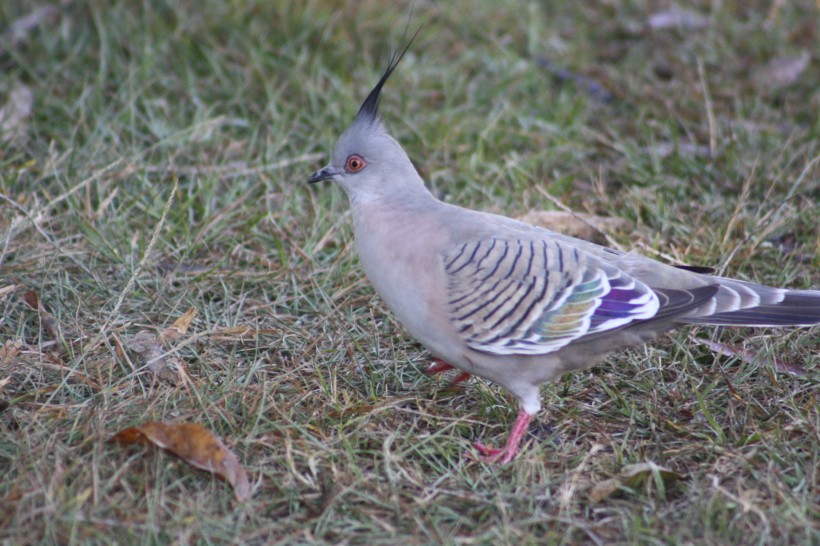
(369,111)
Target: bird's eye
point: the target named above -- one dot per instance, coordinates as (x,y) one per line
(355,163)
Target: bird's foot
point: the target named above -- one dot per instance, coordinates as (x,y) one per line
(440,366)
(506,454)
(487,454)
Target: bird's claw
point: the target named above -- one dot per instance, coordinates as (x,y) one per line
(492,455)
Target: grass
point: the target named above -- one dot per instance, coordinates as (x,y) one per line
(225,108)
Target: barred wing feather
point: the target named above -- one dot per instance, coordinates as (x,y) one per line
(536,296)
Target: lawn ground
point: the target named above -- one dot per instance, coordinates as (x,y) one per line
(153,160)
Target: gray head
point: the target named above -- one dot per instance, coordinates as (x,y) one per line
(367,162)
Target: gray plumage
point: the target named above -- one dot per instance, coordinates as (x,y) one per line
(513,303)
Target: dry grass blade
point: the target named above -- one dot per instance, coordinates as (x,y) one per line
(747,355)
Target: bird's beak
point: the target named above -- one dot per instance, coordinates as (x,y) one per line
(325,173)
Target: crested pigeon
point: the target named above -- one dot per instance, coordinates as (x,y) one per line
(509,302)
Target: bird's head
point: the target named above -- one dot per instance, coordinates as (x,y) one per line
(366,160)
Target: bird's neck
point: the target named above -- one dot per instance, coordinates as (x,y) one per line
(411,197)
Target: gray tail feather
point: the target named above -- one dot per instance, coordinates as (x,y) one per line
(738,303)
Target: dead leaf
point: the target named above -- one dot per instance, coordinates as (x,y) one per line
(8,289)
(747,356)
(147,346)
(47,320)
(633,476)
(15,113)
(603,490)
(180,326)
(575,224)
(783,71)
(677,18)
(31,299)
(9,351)
(195,445)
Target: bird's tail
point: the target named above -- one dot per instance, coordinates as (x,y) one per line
(739,303)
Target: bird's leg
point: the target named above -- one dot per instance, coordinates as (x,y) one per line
(509,451)
(439,366)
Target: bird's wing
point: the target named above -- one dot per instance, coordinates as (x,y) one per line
(534,296)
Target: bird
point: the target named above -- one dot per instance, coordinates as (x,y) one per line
(512,303)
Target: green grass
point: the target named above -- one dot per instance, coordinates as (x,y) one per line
(234,104)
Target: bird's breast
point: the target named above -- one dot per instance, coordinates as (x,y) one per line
(400,253)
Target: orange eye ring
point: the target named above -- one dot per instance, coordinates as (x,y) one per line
(355,163)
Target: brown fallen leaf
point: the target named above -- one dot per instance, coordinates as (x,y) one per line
(180,326)
(148,348)
(47,320)
(635,475)
(746,355)
(575,224)
(604,490)
(195,445)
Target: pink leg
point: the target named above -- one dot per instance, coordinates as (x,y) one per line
(508,453)
(439,366)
